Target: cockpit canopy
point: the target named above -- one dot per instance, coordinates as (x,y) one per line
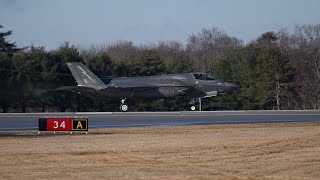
(203,76)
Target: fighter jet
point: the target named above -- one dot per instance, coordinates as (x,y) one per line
(193,85)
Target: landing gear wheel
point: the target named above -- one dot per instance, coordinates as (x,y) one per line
(193,108)
(124,107)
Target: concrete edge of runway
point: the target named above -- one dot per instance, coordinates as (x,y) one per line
(160,112)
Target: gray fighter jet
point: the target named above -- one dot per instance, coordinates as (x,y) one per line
(193,85)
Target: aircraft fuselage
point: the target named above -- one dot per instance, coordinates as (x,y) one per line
(164,86)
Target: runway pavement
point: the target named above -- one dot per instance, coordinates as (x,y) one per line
(29,121)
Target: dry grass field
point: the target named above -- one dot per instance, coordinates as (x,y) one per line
(258,151)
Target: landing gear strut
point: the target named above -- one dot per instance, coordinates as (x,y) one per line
(124,107)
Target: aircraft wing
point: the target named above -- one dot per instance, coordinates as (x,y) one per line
(180,89)
(76,89)
(130,88)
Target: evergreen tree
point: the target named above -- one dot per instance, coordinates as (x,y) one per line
(5,46)
(275,70)
(147,64)
(61,76)
(7,71)
(178,63)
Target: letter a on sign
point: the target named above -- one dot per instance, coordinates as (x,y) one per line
(79,126)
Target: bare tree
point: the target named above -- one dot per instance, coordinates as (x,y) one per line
(122,51)
(205,48)
(306,48)
(165,49)
(92,51)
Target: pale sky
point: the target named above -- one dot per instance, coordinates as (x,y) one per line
(85,22)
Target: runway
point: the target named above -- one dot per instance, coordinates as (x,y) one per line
(29,121)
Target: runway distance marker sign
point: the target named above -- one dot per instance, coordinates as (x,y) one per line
(63,124)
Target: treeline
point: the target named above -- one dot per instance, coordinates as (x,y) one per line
(278,70)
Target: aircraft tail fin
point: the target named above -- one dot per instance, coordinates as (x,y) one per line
(84,76)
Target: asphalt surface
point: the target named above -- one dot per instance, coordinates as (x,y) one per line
(29,121)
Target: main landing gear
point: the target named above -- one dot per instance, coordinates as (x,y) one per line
(192,103)
(124,107)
